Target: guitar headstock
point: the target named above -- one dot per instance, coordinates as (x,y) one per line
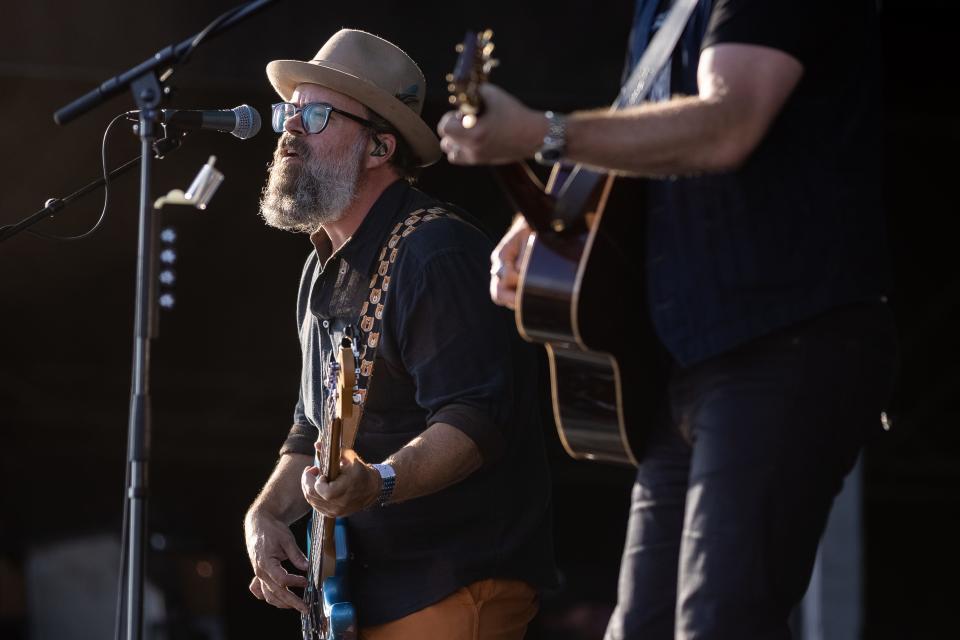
(474,64)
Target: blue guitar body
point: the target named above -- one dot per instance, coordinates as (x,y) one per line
(332,616)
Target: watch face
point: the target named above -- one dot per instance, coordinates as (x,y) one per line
(552,154)
(548,156)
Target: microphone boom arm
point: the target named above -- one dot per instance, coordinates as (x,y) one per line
(54,205)
(164,59)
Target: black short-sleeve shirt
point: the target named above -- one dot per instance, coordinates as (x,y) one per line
(798,228)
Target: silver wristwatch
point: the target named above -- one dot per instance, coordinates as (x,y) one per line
(555,142)
(388,479)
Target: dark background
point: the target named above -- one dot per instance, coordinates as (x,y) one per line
(226,367)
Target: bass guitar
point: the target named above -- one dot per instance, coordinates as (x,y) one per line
(330,615)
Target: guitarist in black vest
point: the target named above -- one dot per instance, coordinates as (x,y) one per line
(445,491)
(765,277)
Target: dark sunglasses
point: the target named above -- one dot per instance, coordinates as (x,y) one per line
(314,115)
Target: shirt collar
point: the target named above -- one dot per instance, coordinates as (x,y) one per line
(360,248)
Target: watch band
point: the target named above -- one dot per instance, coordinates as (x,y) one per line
(388,479)
(555,142)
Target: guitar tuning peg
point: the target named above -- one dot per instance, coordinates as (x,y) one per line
(459,48)
(452,99)
(167,301)
(488,34)
(448,77)
(451,87)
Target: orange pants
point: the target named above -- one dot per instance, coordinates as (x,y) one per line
(485,610)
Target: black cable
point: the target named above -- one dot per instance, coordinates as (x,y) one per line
(200,37)
(122,573)
(106,192)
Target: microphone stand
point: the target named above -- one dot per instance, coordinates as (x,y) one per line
(54,205)
(147,93)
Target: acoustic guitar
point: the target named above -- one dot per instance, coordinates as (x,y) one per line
(582,291)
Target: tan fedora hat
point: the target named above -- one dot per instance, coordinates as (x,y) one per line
(375,73)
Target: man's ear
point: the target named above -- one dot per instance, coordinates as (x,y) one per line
(384,144)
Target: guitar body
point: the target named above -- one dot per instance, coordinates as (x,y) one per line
(334,616)
(583,296)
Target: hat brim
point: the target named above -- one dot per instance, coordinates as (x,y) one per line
(285,75)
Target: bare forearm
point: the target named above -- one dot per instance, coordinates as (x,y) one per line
(281,495)
(741,90)
(681,137)
(439,457)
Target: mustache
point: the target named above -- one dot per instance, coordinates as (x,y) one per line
(289,143)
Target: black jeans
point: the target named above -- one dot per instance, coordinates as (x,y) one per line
(735,488)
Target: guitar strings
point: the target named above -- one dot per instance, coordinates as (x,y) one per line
(311,594)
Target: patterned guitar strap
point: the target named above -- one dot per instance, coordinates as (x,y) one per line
(371,314)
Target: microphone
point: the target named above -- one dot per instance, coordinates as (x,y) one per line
(242,121)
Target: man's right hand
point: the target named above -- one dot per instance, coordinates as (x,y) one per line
(270,542)
(505,263)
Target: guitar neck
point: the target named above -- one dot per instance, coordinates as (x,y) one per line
(526,194)
(333,456)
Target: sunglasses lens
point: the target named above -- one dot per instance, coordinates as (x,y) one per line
(281,112)
(314,117)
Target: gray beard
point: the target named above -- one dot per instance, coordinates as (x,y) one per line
(301,197)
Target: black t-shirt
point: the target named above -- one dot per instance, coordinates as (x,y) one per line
(828,38)
(798,228)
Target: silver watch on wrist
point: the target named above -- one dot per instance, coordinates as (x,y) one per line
(388,479)
(555,142)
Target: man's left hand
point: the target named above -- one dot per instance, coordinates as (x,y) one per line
(507,131)
(355,489)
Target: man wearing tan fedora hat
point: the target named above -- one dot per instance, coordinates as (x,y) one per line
(445,492)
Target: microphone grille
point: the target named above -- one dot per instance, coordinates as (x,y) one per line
(248,122)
